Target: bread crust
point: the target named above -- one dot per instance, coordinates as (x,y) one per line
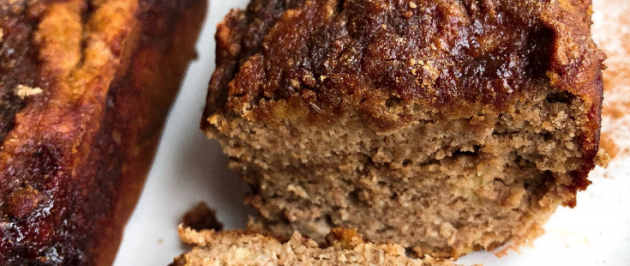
(473,120)
(76,154)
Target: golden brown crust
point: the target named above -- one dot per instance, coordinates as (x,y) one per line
(79,151)
(308,62)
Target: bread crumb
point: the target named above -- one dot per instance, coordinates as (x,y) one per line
(298,190)
(1,34)
(26,91)
(602,159)
(202,217)
(413,5)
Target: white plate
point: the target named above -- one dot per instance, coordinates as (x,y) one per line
(189,169)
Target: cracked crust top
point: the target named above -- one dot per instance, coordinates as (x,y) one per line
(329,55)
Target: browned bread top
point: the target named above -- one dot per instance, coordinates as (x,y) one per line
(324,57)
(84,87)
(323,61)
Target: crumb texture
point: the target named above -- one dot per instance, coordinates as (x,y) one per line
(345,247)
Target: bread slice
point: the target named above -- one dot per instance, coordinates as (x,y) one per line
(85,87)
(446,126)
(344,247)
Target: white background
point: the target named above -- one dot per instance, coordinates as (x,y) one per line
(189,169)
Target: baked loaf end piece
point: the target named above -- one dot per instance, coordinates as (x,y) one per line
(85,87)
(446,126)
(344,247)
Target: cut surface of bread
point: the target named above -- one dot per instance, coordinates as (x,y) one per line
(85,87)
(444,126)
(344,247)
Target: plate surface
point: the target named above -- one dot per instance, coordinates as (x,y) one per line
(189,169)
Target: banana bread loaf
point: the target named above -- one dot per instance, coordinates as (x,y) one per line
(344,247)
(445,126)
(84,89)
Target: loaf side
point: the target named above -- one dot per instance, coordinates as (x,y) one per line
(92,82)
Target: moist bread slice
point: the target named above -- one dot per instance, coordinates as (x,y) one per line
(344,247)
(444,126)
(85,87)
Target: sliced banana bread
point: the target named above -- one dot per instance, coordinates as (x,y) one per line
(446,126)
(344,247)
